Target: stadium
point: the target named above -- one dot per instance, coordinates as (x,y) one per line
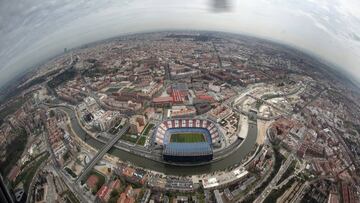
(187,140)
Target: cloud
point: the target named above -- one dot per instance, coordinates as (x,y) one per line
(32,31)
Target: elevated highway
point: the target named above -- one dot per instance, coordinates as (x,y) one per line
(102,152)
(153,160)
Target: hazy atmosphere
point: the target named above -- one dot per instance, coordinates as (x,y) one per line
(158,101)
(33,31)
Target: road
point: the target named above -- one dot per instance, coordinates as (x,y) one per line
(51,192)
(102,152)
(315,97)
(75,190)
(142,157)
(275,180)
(249,93)
(269,104)
(33,180)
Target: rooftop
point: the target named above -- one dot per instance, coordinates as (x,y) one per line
(188,149)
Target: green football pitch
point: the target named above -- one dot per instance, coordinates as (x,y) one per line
(187,137)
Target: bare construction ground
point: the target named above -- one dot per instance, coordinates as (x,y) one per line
(262,126)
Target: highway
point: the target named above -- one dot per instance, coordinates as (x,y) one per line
(151,160)
(102,152)
(75,190)
(275,180)
(268,103)
(32,183)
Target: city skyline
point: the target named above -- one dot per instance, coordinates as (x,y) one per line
(33,32)
(182,116)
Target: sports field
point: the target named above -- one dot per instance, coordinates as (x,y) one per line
(187,137)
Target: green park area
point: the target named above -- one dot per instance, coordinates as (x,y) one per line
(28,173)
(14,151)
(141,141)
(147,129)
(11,108)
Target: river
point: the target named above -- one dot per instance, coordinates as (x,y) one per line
(228,161)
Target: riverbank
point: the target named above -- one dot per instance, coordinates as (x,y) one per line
(144,161)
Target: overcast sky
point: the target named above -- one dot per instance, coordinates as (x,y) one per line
(32,31)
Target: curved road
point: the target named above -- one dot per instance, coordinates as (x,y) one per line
(142,161)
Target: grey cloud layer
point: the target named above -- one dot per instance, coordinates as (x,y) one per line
(31,31)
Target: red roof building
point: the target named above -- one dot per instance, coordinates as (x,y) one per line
(163,100)
(91,181)
(103,192)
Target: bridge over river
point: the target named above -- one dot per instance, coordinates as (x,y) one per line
(142,161)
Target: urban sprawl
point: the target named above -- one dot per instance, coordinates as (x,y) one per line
(182,117)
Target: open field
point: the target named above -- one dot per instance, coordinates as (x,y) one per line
(187,137)
(262,126)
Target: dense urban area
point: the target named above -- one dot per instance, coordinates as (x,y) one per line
(181,117)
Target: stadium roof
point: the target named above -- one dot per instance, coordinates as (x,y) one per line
(188,149)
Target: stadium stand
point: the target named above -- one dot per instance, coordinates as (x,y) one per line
(187,152)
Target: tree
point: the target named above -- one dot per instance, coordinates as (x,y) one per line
(51,113)
(114,193)
(113,200)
